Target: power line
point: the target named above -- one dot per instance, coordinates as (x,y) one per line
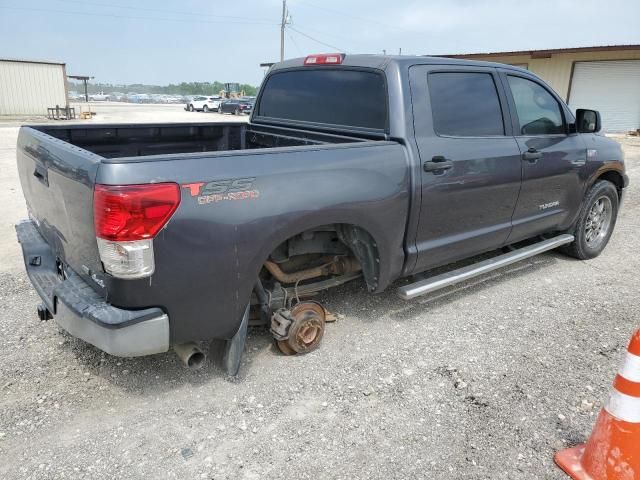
(286,22)
(316,40)
(295,44)
(182,20)
(340,38)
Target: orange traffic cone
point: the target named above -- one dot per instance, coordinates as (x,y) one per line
(613,451)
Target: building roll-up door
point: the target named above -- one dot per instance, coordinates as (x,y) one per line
(611,87)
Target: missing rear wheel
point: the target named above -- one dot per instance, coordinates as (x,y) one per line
(299,330)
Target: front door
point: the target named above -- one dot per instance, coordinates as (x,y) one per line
(553,161)
(471,171)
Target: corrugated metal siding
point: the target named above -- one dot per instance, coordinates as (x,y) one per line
(29,88)
(556,71)
(613,88)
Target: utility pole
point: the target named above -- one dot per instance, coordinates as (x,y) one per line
(282,25)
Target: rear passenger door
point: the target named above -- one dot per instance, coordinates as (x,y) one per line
(471,172)
(553,161)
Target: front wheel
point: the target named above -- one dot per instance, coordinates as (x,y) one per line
(236,111)
(191,109)
(205,109)
(596,221)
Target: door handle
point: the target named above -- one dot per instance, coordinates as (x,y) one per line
(437,163)
(41,174)
(532,155)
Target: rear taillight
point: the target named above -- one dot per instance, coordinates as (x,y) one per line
(126,219)
(324,59)
(133,212)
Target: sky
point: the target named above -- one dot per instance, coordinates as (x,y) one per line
(171,41)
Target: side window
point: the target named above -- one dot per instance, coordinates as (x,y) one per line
(538,111)
(465,104)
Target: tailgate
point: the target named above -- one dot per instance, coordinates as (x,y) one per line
(57,182)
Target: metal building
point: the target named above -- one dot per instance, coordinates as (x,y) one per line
(30,87)
(605,78)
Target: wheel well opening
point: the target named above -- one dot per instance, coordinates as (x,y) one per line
(324,252)
(615,178)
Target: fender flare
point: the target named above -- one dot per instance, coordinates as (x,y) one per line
(616,176)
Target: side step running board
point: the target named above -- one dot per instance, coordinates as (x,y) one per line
(432,284)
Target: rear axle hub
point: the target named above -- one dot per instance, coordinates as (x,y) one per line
(300,329)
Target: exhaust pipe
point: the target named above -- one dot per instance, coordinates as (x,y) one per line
(190,355)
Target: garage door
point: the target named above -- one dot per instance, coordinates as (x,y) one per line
(613,88)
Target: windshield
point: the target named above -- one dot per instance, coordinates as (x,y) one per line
(338,96)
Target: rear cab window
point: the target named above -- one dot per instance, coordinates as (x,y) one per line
(465,104)
(340,97)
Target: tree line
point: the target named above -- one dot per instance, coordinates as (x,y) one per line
(184,88)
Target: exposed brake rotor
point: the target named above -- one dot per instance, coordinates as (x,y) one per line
(300,329)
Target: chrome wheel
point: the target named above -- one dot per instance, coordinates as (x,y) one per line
(598,222)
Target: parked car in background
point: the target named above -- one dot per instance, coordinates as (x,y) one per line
(116,97)
(235,106)
(204,104)
(139,98)
(76,96)
(99,97)
(250,100)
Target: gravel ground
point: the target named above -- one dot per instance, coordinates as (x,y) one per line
(483,381)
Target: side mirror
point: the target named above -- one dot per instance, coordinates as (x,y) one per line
(588,121)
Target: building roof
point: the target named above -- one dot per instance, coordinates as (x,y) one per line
(544,53)
(21,60)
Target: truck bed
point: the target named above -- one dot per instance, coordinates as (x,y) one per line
(362,179)
(118,141)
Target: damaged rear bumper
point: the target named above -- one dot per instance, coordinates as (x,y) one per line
(83,312)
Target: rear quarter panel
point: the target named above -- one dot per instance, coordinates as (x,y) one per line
(209,254)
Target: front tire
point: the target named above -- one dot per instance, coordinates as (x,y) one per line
(596,221)
(205,109)
(191,108)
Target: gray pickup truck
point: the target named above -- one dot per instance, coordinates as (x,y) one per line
(145,237)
